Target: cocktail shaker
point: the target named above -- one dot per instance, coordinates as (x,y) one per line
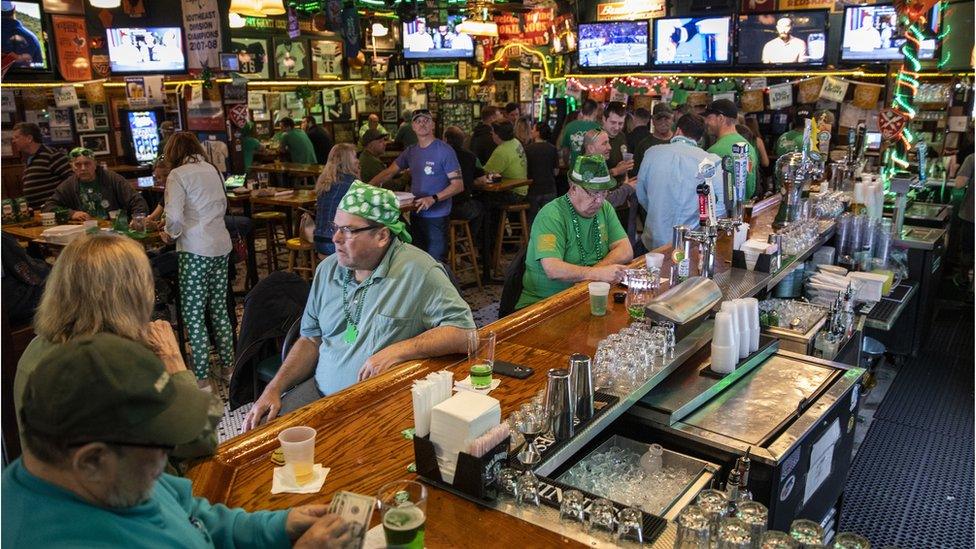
(559,401)
(581,379)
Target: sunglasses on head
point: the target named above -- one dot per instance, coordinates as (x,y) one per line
(80,151)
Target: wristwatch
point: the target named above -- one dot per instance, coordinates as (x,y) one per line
(434,196)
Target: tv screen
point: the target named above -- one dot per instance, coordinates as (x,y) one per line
(783,38)
(692,40)
(23,35)
(613,44)
(142,128)
(871,34)
(443,41)
(146,50)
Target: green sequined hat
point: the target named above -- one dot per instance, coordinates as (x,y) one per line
(590,172)
(375,204)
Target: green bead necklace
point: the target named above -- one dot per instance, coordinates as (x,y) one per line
(352,323)
(594,235)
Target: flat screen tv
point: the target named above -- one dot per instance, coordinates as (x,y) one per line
(692,41)
(871,35)
(140,127)
(443,41)
(152,50)
(23,35)
(782,38)
(614,44)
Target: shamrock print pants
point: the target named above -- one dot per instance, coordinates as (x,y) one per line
(203,289)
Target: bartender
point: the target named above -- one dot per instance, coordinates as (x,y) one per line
(576,237)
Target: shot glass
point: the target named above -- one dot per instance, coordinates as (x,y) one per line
(807,533)
(571,507)
(528,489)
(630,525)
(298,446)
(774,539)
(733,533)
(602,516)
(694,530)
(508,481)
(599,291)
(654,260)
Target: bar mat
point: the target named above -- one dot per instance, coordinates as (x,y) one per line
(548,447)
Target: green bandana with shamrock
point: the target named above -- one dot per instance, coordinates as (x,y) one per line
(375,204)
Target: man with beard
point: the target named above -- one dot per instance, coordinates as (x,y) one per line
(785,48)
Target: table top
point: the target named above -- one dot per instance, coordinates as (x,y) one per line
(301,198)
(503,185)
(291,168)
(32,233)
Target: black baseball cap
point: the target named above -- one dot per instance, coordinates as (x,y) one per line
(372,135)
(662,110)
(723,107)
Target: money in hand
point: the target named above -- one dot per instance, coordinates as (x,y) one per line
(355,509)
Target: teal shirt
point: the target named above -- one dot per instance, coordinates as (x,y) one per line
(723,148)
(300,149)
(37,513)
(553,235)
(410,294)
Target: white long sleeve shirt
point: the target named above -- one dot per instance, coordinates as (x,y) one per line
(195,207)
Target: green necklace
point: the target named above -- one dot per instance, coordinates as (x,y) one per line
(594,235)
(352,323)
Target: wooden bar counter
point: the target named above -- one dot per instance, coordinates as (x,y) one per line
(359,429)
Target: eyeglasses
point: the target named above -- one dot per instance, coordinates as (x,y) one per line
(80,151)
(348,231)
(594,195)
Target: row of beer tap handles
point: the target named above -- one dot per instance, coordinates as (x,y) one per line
(735,171)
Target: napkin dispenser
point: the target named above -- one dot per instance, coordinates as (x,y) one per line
(686,305)
(473,476)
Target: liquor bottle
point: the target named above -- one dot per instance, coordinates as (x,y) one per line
(745,463)
(732,489)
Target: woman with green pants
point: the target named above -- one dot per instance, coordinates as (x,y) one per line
(195,208)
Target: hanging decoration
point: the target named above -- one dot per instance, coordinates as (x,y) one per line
(752,100)
(834,89)
(809,90)
(780,96)
(866,95)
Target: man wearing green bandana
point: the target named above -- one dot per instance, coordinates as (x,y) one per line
(576,237)
(94,191)
(376,302)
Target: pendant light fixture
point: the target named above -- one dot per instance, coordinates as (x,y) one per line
(105,4)
(235,21)
(246,8)
(272,7)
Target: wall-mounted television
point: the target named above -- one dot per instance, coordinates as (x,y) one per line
(151,50)
(871,34)
(692,41)
(24,35)
(140,128)
(614,44)
(441,41)
(782,38)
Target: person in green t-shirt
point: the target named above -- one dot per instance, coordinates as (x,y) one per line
(792,140)
(571,144)
(576,237)
(720,118)
(508,158)
(296,144)
(249,145)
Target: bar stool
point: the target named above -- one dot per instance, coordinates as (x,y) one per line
(462,248)
(301,257)
(511,231)
(270,222)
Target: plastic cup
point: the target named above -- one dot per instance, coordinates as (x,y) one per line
(742,312)
(90,224)
(48,219)
(725,344)
(655,260)
(298,446)
(737,324)
(598,297)
(752,310)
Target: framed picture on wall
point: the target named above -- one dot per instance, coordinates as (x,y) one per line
(326,58)
(62,135)
(291,59)
(84,120)
(252,57)
(97,142)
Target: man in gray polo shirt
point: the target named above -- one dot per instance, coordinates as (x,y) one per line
(375,303)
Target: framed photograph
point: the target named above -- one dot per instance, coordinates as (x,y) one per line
(100,122)
(99,109)
(97,142)
(291,59)
(60,118)
(84,120)
(326,58)
(6,143)
(61,135)
(390,42)
(253,60)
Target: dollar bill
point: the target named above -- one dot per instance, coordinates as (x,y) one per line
(355,509)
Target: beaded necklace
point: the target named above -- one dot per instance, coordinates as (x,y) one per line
(352,323)
(594,234)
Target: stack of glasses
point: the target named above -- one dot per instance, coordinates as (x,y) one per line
(628,358)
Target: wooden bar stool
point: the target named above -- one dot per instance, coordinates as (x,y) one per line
(301,257)
(270,222)
(462,248)
(510,232)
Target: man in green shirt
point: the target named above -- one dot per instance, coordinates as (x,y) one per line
(100,415)
(372,123)
(613,123)
(249,145)
(720,119)
(576,237)
(508,158)
(792,140)
(374,145)
(295,144)
(571,145)
(375,303)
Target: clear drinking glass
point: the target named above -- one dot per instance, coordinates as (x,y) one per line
(481,356)
(403,508)
(774,539)
(694,529)
(571,506)
(528,489)
(630,525)
(850,540)
(733,533)
(807,533)
(756,516)
(507,481)
(602,516)
(715,504)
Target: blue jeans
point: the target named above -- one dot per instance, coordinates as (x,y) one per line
(430,234)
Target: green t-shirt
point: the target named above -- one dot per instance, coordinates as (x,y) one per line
(369,166)
(508,159)
(300,149)
(249,145)
(723,148)
(791,141)
(553,235)
(573,137)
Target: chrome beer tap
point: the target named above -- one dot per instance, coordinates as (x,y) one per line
(796,170)
(706,235)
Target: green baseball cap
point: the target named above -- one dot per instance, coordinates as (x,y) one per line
(590,172)
(111,389)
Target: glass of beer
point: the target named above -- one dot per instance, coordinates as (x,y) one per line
(403,508)
(298,446)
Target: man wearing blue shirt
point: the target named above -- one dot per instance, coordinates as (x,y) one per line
(100,415)
(435,176)
(668,179)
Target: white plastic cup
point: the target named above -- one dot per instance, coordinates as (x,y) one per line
(737,325)
(599,292)
(90,224)
(654,260)
(724,358)
(742,312)
(752,308)
(48,219)
(298,447)
(725,343)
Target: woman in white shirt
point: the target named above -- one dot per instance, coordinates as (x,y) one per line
(195,208)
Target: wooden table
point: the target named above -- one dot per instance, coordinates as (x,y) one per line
(32,233)
(503,185)
(290,168)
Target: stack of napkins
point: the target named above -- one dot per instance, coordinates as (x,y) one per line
(752,248)
(403,198)
(458,421)
(427,393)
